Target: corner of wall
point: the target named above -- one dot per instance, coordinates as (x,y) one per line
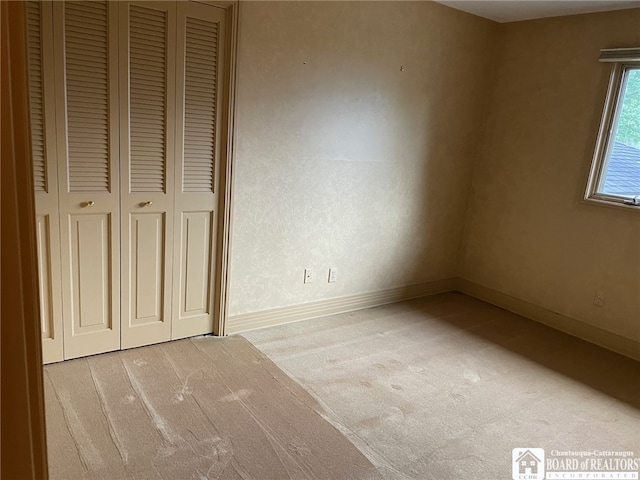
(590,333)
(492,69)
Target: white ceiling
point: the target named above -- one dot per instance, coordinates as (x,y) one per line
(515,10)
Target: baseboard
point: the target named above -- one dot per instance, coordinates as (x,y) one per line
(332,306)
(577,328)
(294,313)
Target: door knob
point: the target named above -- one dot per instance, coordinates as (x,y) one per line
(147,204)
(90,203)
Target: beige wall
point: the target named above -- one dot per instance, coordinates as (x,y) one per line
(342,159)
(528,234)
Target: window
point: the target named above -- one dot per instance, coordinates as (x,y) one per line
(615,171)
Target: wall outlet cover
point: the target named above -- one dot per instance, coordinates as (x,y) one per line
(308,275)
(333,275)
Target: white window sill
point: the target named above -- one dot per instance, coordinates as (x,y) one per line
(612,201)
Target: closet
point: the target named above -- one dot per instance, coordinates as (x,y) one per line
(125,116)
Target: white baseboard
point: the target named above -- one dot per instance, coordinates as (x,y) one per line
(332,306)
(577,328)
(294,313)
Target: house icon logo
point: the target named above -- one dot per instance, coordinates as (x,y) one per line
(528,463)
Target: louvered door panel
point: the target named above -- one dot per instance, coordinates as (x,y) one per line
(200,105)
(34,32)
(43,142)
(87,96)
(147,86)
(201,34)
(85,42)
(147,94)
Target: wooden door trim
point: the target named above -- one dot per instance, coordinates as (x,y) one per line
(226,182)
(23,442)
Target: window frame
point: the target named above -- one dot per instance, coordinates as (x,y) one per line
(624,60)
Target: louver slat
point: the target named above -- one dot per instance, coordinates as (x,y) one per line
(87,72)
(200,105)
(34,46)
(147,43)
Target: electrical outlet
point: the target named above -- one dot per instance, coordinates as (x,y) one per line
(308,275)
(599,300)
(333,275)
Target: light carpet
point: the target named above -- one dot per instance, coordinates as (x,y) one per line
(204,408)
(445,387)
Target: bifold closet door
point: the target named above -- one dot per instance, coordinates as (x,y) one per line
(200,59)
(86,45)
(43,142)
(147,133)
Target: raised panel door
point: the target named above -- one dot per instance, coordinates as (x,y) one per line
(43,142)
(201,37)
(85,44)
(147,86)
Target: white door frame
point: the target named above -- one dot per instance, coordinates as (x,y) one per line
(223,250)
